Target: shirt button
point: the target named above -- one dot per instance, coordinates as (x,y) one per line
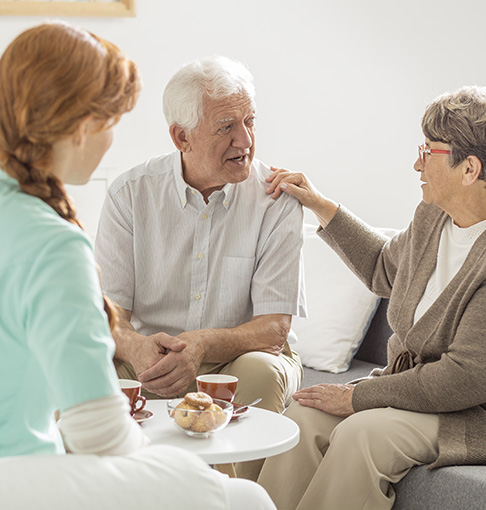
(193,192)
(198,296)
(200,255)
(226,203)
(204,216)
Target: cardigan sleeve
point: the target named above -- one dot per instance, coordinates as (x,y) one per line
(456,381)
(371,255)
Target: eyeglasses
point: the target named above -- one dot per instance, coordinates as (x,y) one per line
(422,149)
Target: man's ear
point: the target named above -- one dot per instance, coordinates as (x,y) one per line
(179,137)
(472,170)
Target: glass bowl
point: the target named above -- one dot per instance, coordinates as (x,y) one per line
(198,423)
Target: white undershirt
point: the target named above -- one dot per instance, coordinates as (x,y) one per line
(455,244)
(102,427)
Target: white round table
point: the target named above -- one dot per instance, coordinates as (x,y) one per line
(255,435)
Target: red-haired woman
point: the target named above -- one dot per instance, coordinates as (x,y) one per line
(62,89)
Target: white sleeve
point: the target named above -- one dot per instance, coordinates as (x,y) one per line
(102,427)
(114,251)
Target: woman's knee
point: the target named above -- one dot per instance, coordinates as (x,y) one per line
(387,426)
(369,424)
(314,425)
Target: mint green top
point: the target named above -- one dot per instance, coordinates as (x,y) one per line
(56,346)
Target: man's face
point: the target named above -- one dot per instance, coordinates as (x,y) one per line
(222,147)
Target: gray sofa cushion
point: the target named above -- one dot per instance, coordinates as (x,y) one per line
(374,346)
(357,369)
(447,488)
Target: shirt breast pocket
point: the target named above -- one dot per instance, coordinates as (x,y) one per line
(235,302)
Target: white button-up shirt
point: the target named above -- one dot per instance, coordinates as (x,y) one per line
(180,264)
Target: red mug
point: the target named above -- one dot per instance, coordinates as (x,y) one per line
(132,390)
(220,386)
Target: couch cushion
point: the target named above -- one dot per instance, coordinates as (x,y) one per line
(447,488)
(357,370)
(374,346)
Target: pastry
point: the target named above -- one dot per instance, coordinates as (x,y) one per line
(198,413)
(199,399)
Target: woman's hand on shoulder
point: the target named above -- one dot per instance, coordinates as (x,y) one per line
(293,183)
(336,399)
(300,187)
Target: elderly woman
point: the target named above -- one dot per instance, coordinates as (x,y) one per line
(428,405)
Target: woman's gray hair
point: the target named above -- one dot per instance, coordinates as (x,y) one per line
(459,119)
(216,77)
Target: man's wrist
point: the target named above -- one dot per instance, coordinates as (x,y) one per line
(203,344)
(128,342)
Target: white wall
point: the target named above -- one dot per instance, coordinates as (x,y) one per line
(341,84)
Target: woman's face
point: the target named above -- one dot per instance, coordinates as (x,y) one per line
(440,181)
(76,157)
(97,143)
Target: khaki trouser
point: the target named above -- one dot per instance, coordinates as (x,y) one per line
(349,463)
(260,375)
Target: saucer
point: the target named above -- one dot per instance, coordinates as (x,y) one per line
(142,415)
(236,414)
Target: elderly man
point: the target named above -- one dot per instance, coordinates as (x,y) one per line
(205,265)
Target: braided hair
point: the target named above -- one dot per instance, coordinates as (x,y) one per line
(52,77)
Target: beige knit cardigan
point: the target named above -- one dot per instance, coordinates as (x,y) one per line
(447,344)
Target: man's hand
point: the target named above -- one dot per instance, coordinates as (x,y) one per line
(336,399)
(167,365)
(153,349)
(173,373)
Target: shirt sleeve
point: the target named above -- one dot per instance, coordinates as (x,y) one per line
(114,247)
(278,281)
(102,427)
(65,323)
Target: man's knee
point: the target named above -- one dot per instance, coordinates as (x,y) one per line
(260,365)
(260,375)
(265,371)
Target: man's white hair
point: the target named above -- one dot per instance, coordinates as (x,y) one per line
(216,77)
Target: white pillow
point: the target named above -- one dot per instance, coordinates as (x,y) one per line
(339,306)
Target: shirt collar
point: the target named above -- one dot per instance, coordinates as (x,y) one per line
(229,191)
(182,186)
(4,176)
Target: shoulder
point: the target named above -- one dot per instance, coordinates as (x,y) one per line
(259,170)
(424,210)
(144,174)
(257,181)
(258,173)
(428,217)
(34,231)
